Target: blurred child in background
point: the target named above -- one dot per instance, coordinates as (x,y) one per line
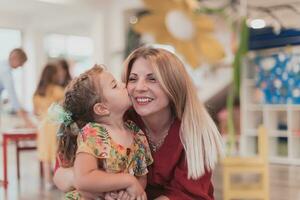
(64,72)
(48,91)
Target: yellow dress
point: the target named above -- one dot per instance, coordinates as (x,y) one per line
(47,141)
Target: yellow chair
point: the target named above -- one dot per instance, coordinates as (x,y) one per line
(248,165)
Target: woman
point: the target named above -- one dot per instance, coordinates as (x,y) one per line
(184,140)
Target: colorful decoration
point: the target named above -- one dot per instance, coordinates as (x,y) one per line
(278,77)
(174,22)
(57,114)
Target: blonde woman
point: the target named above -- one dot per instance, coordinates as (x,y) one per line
(184,140)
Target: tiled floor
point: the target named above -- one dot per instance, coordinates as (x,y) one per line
(284,180)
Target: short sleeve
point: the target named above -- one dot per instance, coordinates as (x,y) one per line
(145,146)
(94,140)
(143,155)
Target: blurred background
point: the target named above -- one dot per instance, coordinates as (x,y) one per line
(243,56)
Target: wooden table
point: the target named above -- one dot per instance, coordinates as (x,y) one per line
(16,135)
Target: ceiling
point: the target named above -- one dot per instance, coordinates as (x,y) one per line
(52,15)
(74,15)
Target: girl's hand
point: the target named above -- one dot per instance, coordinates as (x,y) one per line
(136,191)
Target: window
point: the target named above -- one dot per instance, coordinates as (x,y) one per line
(77,49)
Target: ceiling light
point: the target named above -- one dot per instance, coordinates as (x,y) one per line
(55,1)
(257,23)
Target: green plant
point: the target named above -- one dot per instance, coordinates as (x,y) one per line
(235,90)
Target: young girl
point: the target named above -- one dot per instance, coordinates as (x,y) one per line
(93,129)
(47,92)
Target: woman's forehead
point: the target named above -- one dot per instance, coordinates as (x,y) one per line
(142,66)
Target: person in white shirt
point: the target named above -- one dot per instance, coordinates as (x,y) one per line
(17,58)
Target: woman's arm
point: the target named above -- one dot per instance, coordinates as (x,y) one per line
(89,178)
(64,180)
(142,180)
(180,187)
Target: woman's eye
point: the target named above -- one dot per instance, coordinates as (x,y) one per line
(152,79)
(131,79)
(115,86)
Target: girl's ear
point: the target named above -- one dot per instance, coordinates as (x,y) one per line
(101,109)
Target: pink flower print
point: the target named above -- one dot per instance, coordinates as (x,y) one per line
(86,130)
(99,142)
(92,132)
(119,147)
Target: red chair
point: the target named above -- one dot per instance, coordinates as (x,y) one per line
(17,136)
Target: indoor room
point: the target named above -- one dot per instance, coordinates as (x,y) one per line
(149,99)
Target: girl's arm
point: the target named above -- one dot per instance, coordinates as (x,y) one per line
(89,178)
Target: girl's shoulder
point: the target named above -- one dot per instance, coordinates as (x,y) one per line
(131,125)
(94,129)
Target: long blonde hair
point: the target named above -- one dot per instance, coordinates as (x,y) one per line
(198,133)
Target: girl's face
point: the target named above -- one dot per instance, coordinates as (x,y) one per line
(61,74)
(145,91)
(114,92)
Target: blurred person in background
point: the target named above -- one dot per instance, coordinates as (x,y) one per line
(48,91)
(16,59)
(64,72)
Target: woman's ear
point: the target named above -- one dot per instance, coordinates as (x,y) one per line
(101,109)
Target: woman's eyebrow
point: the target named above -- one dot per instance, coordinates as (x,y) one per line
(133,74)
(150,75)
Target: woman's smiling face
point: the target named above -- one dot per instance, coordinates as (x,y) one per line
(145,91)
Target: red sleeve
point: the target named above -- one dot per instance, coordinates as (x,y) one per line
(57,165)
(181,187)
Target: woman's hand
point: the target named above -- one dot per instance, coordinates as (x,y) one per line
(111,196)
(64,179)
(136,191)
(123,195)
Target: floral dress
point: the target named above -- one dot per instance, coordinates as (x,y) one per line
(95,140)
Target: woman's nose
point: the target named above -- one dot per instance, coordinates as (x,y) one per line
(141,85)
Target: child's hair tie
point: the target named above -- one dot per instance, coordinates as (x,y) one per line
(57,114)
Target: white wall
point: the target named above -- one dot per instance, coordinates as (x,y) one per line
(104,22)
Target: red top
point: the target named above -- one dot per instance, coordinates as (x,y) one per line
(168,174)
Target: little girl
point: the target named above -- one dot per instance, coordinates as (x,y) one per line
(47,92)
(93,128)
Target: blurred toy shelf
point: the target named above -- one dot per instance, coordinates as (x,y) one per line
(270,95)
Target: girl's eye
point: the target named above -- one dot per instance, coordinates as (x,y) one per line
(114,86)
